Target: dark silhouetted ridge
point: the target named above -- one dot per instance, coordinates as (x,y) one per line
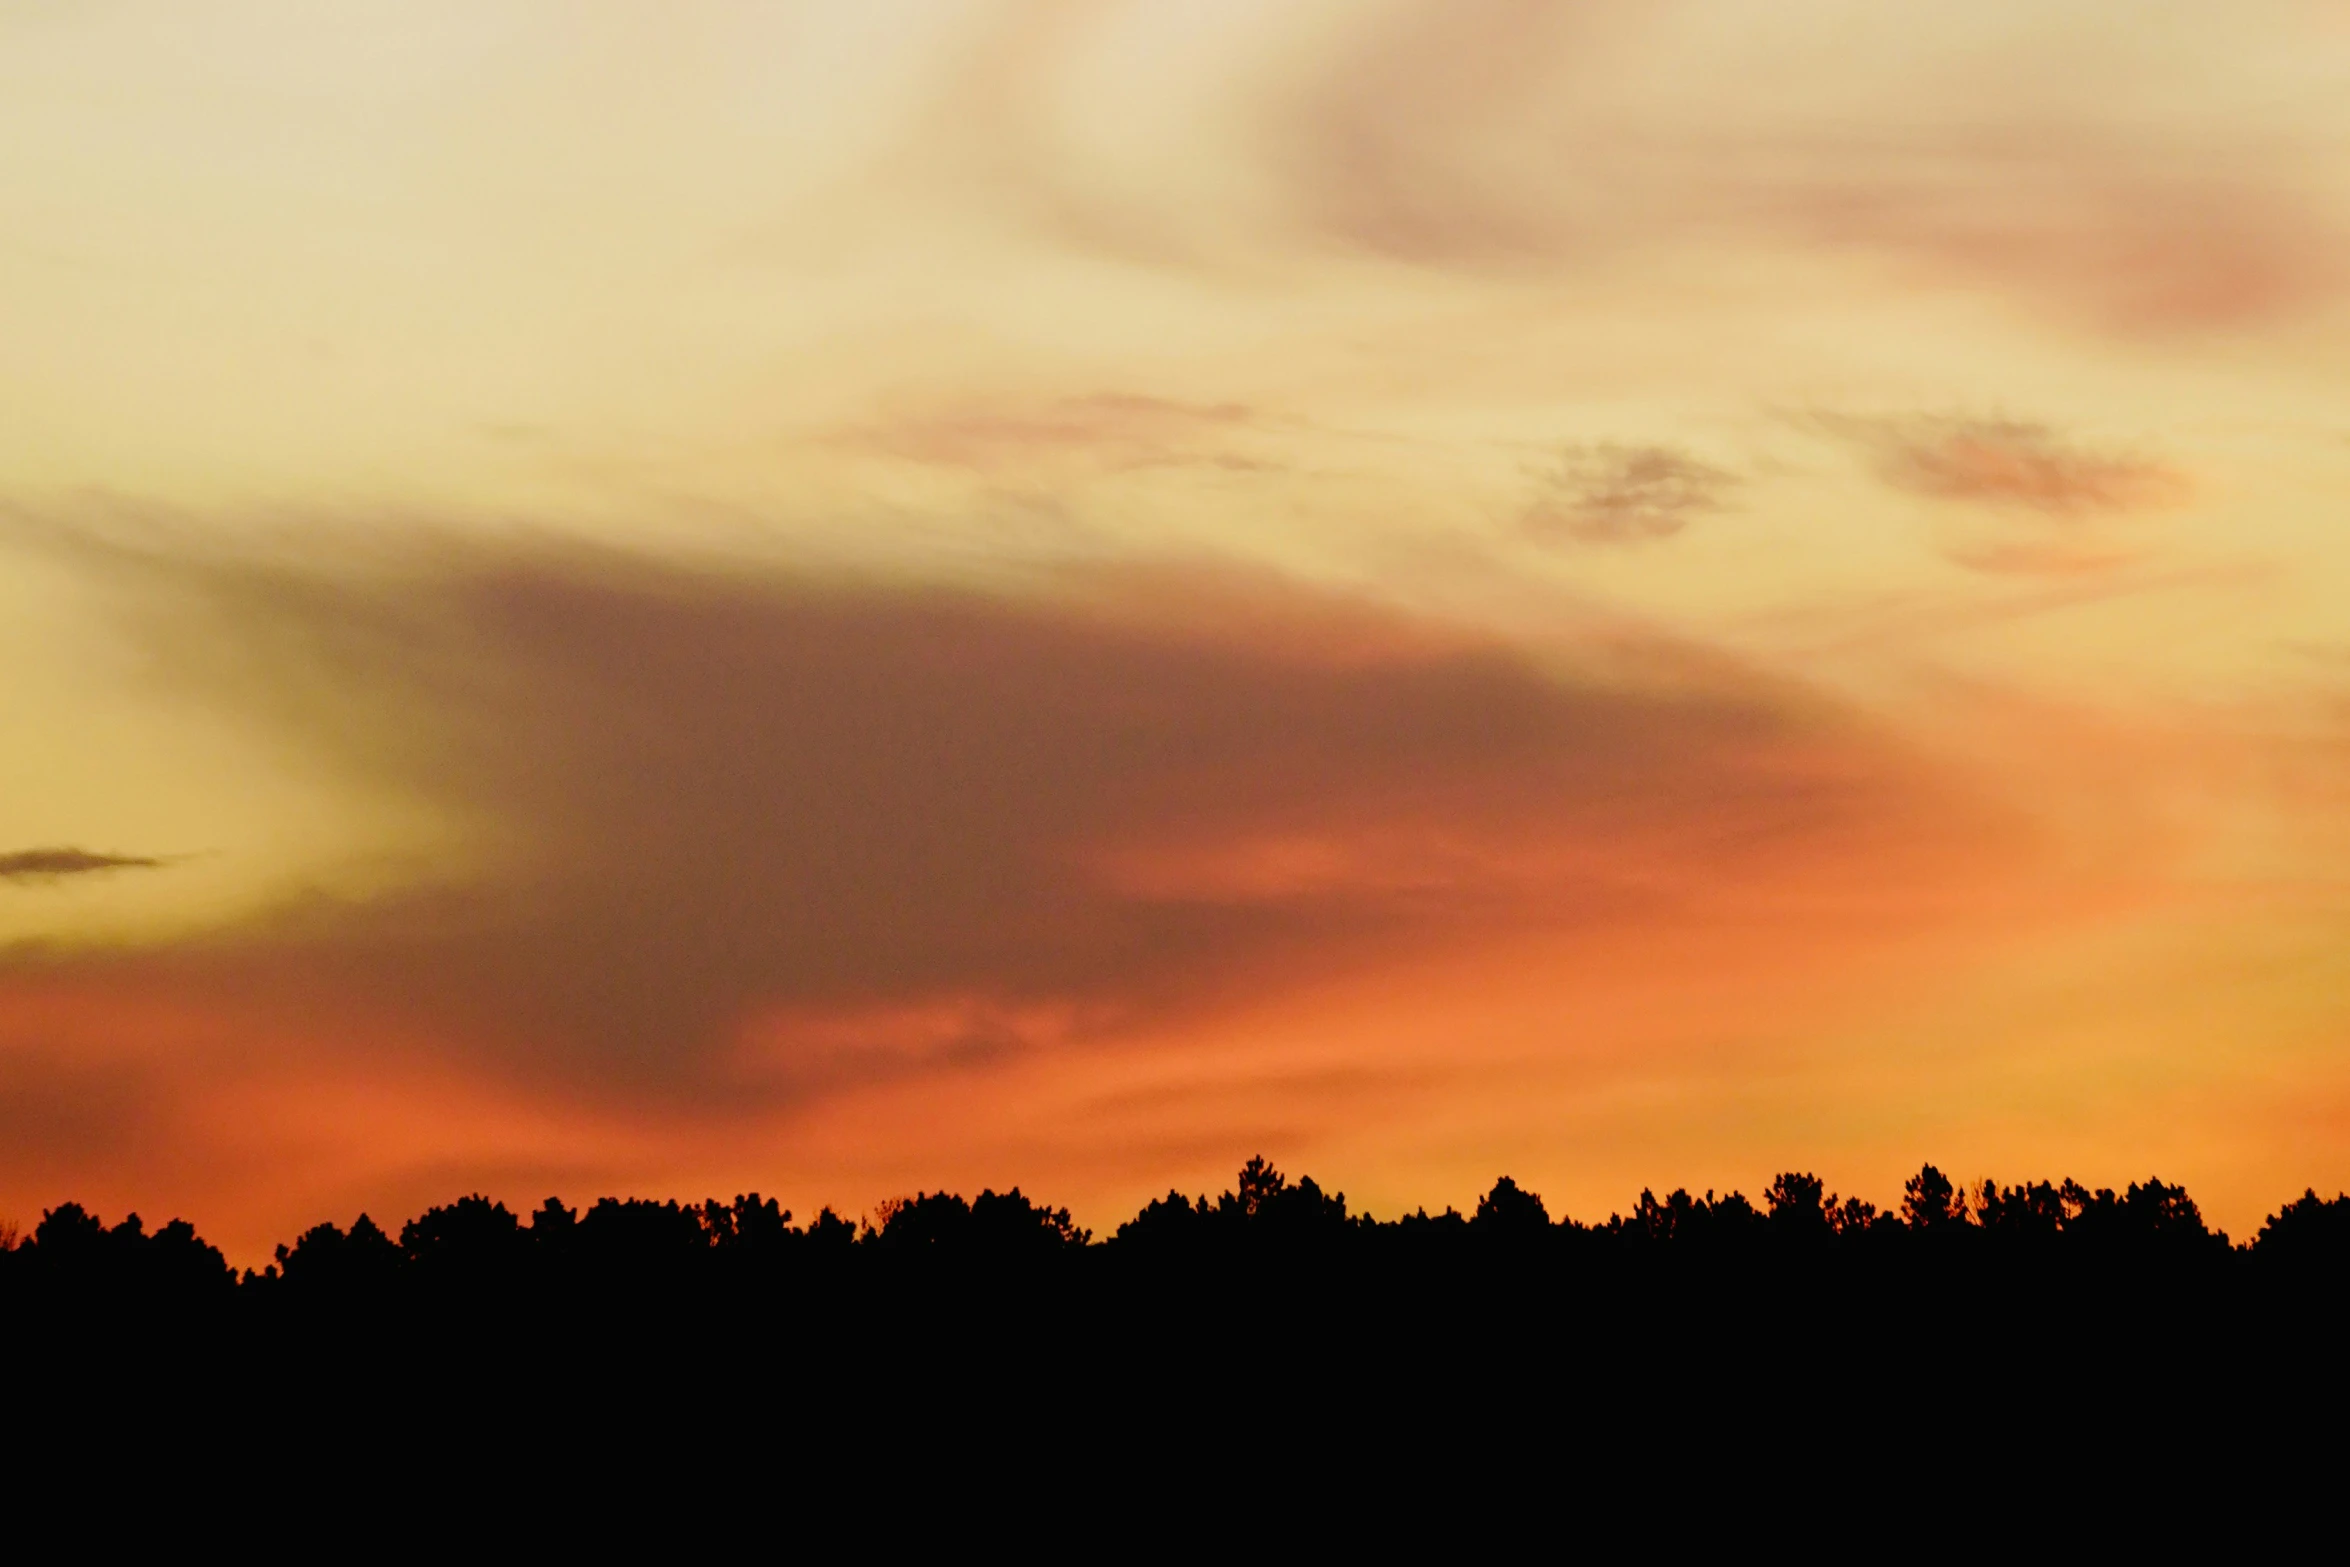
(476,1249)
(994,1327)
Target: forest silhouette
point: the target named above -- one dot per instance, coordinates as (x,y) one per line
(476,1251)
(1268,1319)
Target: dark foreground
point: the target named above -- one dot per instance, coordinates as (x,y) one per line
(475,1253)
(2044,1320)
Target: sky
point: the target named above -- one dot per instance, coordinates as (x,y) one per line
(847,599)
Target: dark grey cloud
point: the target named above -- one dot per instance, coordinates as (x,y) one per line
(720,797)
(48,864)
(1624,494)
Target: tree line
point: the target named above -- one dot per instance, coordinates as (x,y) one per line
(1264,1220)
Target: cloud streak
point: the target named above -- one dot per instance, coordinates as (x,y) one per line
(54,863)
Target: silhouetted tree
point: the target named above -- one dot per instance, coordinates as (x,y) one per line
(473,1242)
(72,1253)
(2034,1214)
(2147,1220)
(2307,1236)
(2164,1215)
(1171,1222)
(1510,1213)
(554,1225)
(924,1222)
(1256,1189)
(365,1261)
(1931,1205)
(1431,1234)
(829,1235)
(1798,1203)
(1855,1217)
(1685,1226)
(1661,1223)
(636,1242)
(1007,1224)
(749,1224)
(1802,1212)
(71,1237)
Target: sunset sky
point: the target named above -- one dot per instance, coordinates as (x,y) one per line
(843,598)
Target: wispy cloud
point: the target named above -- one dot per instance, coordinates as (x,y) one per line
(1108,430)
(1623,494)
(2008,463)
(50,864)
(2085,183)
(2025,558)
